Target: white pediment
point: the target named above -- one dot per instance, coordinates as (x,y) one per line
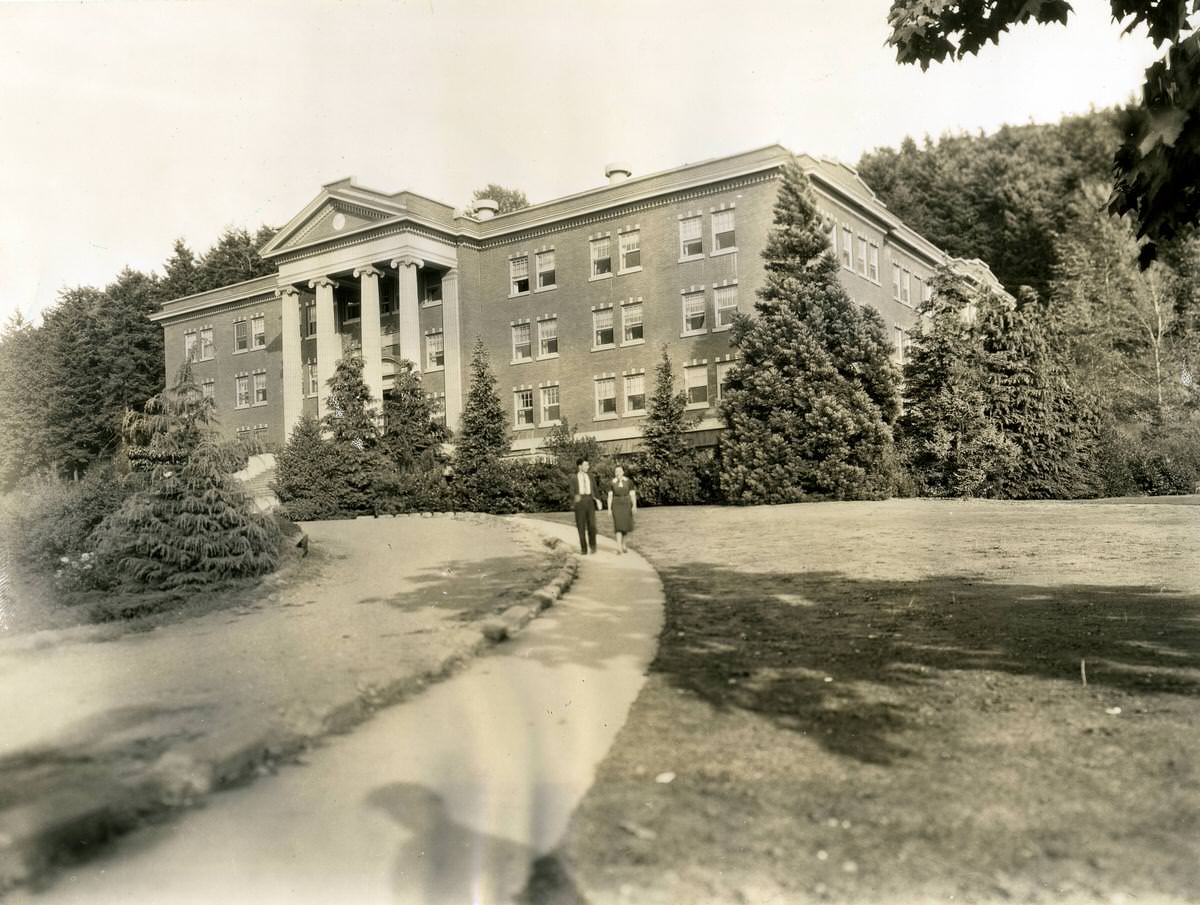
(329,216)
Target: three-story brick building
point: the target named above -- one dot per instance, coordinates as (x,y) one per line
(574,298)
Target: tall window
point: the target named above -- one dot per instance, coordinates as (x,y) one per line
(522,346)
(693,312)
(241,336)
(635,394)
(310,316)
(435,350)
(206,344)
(895,281)
(833,230)
(900,344)
(723,369)
(548,336)
(601,257)
(725,298)
(545,270)
(209,389)
(873,261)
(926,291)
(241,386)
(847,247)
(432,293)
(724,236)
(518,273)
(630,246)
(606,396)
(523,406)
(631,323)
(904,293)
(691,242)
(313,386)
(602,327)
(918,292)
(696,379)
(550,408)
(861,260)
(258,332)
(190,346)
(353,310)
(260,387)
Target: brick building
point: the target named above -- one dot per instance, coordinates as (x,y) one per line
(573,298)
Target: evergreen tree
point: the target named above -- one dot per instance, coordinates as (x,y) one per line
(409,429)
(23,395)
(180,274)
(234,259)
(193,524)
(947,437)
(479,478)
(307,472)
(353,430)
(808,406)
(666,470)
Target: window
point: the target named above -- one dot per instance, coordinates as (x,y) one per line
(435,350)
(241,336)
(548,337)
(631,323)
(260,388)
(258,332)
(873,262)
(895,281)
(606,397)
(209,389)
(693,312)
(189,346)
(691,242)
(918,291)
(904,294)
(630,245)
(861,260)
(310,316)
(523,405)
(900,344)
(724,237)
(206,344)
(635,394)
(433,292)
(833,237)
(522,345)
(242,389)
(353,311)
(601,258)
(387,301)
(313,385)
(518,275)
(847,247)
(696,378)
(725,298)
(723,369)
(550,409)
(545,270)
(926,292)
(602,328)
(437,408)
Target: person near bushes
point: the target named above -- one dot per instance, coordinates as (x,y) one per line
(585,503)
(622,502)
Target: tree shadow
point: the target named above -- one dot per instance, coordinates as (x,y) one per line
(837,658)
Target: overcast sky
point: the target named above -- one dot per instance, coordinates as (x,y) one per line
(126,124)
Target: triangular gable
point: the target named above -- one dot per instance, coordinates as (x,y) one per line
(340,209)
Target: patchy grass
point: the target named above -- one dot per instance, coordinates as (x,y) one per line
(884,702)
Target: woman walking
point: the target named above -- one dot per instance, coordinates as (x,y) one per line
(622,503)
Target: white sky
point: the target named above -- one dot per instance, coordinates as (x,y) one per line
(126,124)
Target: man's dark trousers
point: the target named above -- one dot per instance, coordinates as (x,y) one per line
(585,521)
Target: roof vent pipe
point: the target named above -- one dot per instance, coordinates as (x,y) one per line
(485,208)
(617,172)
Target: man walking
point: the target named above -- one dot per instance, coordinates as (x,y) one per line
(584,503)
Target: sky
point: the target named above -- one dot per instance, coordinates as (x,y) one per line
(125,124)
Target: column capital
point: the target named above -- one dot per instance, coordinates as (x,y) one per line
(288,291)
(367,270)
(322,283)
(407,261)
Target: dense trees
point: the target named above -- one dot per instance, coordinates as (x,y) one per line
(508,199)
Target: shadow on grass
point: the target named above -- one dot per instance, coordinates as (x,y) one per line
(844,661)
(476,589)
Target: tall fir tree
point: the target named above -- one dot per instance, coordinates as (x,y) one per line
(947,437)
(352,426)
(180,275)
(409,431)
(808,406)
(307,474)
(479,477)
(23,394)
(667,467)
(234,259)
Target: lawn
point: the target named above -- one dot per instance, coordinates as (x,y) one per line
(886,702)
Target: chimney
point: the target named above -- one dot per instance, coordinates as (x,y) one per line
(485,209)
(617,172)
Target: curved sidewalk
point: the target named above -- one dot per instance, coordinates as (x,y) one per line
(445,798)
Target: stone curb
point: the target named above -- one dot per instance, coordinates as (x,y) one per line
(34,841)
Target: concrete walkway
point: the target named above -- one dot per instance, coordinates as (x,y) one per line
(445,798)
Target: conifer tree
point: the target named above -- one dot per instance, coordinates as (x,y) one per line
(479,477)
(353,430)
(947,437)
(809,405)
(22,401)
(409,431)
(192,524)
(667,466)
(307,473)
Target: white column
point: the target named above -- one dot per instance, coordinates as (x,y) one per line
(293,367)
(409,308)
(451,335)
(329,341)
(372,338)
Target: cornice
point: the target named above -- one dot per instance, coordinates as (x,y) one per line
(169,317)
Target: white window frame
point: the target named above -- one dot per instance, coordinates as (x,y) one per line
(545,404)
(355,304)
(542,270)
(694,331)
(634,237)
(833,238)
(860,256)
(313,381)
(516,277)
(627,395)
(717,247)
(900,341)
(627,324)
(605,382)
(847,257)
(895,281)
(208,389)
(905,293)
(597,314)
(206,344)
(258,332)
(723,369)
(241,336)
(310,316)
(430,351)
(520,410)
(527,328)
(594,246)
(431,293)
(258,386)
(724,293)
(684,240)
(544,339)
(873,262)
(688,372)
(241,391)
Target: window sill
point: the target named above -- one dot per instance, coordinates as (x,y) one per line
(686,333)
(723,251)
(523,427)
(258,347)
(240,351)
(517,295)
(637,269)
(437,304)
(351,320)
(435,369)
(548,356)
(696,406)
(633,342)
(685,259)
(724,328)
(555,423)
(610,417)
(640,413)
(600,276)
(259,405)
(546,288)
(521,361)
(604,348)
